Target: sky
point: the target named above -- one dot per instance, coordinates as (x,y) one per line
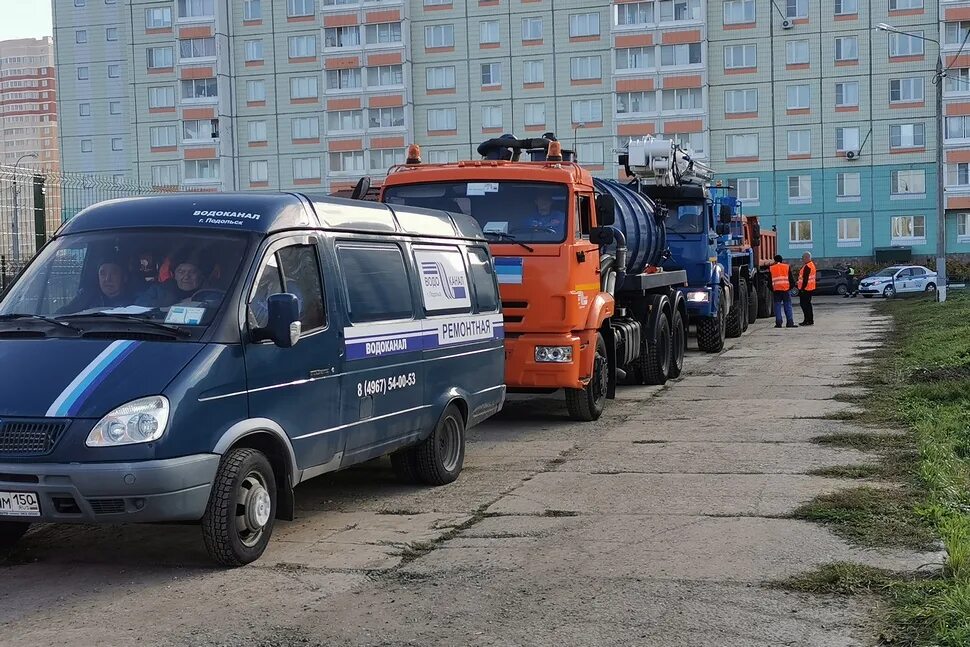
(25,19)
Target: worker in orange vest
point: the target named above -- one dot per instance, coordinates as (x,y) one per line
(782,281)
(806,288)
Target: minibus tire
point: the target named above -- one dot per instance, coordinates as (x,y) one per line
(440,456)
(586,405)
(11,532)
(405,465)
(241,470)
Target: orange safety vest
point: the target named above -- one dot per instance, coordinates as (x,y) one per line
(779,277)
(810,284)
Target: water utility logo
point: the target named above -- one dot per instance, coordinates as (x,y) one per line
(437,279)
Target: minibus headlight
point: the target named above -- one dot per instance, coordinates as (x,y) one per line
(698,296)
(139,421)
(554,354)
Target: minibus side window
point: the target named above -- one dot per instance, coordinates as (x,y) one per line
(295,270)
(375,281)
(483,278)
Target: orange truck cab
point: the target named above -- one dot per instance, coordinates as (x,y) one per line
(578,315)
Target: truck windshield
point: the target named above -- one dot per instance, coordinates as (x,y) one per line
(529,212)
(177,278)
(685,218)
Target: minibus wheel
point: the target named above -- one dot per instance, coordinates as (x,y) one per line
(440,456)
(11,532)
(239,518)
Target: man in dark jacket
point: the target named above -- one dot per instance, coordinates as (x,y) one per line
(112,291)
(188,278)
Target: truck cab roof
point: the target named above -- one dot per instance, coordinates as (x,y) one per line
(556,172)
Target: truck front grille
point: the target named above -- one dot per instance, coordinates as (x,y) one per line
(29,438)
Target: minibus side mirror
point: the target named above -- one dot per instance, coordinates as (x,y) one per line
(283,326)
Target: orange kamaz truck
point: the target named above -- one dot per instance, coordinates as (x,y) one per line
(586,304)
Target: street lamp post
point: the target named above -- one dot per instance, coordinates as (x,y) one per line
(941,278)
(15,228)
(575,133)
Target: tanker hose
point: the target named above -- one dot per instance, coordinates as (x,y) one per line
(621,252)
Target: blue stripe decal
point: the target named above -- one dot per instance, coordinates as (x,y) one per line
(72,398)
(508,269)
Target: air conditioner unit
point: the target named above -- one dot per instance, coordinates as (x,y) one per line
(852,155)
(787,24)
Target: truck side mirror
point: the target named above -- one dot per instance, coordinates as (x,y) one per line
(725,216)
(283,326)
(361,188)
(755,234)
(605,210)
(723,229)
(601,235)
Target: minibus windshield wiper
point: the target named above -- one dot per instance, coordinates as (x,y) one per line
(14,316)
(509,237)
(175,331)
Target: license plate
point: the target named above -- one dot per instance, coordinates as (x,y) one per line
(19,504)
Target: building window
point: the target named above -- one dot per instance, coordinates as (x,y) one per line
(846,7)
(84,109)
(905,45)
(963,227)
(958,174)
(849,230)
(636,102)
(385,75)
(847,48)
(957,80)
(302,46)
(847,94)
(796,8)
(683,99)
(386,32)
(197,48)
(532,29)
(687,54)
(848,185)
(114,71)
(590,153)
(797,52)
(442,119)
(908,182)
(256,90)
(163,136)
(158,18)
(305,87)
(584,24)
(692,142)
(86,146)
(532,71)
(160,58)
(443,157)
(161,97)
(739,12)
(306,168)
(740,101)
(345,120)
(200,88)
(847,139)
(491,74)
(740,56)
(535,114)
(196,8)
(586,111)
(585,68)
(165,175)
(680,10)
(341,36)
(347,161)
(799,97)
(383,159)
(907,136)
(81,36)
(635,58)
(799,189)
(488,32)
(748,188)
(257,131)
(80,3)
(386,117)
(906,90)
(117,144)
(955,32)
(896,5)
(634,13)
(958,127)
(201,130)
(742,145)
(908,229)
(298,8)
(202,170)
(799,142)
(111,34)
(800,232)
(492,116)
(82,74)
(439,36)
(259,171)
(254,50)
(252,10)
(441,78)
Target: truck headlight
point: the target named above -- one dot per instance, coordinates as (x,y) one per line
(139,421)
(698,296)
(554,354)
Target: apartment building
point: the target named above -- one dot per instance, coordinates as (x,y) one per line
(954,31)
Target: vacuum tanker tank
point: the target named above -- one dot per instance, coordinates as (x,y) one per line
(637,219)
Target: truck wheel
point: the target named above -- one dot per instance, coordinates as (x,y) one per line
(752,303)
(745,306)
(11,532)
(735,319)
(440,456)
(587,404)
(711,330)
(678,344)
(239,518)
(405,465)
(764,301)
(653,364)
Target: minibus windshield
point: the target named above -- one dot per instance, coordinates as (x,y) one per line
(176,278)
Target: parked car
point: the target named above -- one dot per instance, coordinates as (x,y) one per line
(831,281)
(898,279)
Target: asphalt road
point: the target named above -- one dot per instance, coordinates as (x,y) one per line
(656,525)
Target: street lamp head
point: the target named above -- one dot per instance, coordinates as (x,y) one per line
(883,26)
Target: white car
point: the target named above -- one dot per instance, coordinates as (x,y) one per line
(898,279)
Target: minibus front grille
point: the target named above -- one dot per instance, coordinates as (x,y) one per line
(29,438)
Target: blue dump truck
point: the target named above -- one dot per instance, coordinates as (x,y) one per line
(192,358)
(707,236)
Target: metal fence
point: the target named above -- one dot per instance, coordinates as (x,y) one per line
(34,203)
